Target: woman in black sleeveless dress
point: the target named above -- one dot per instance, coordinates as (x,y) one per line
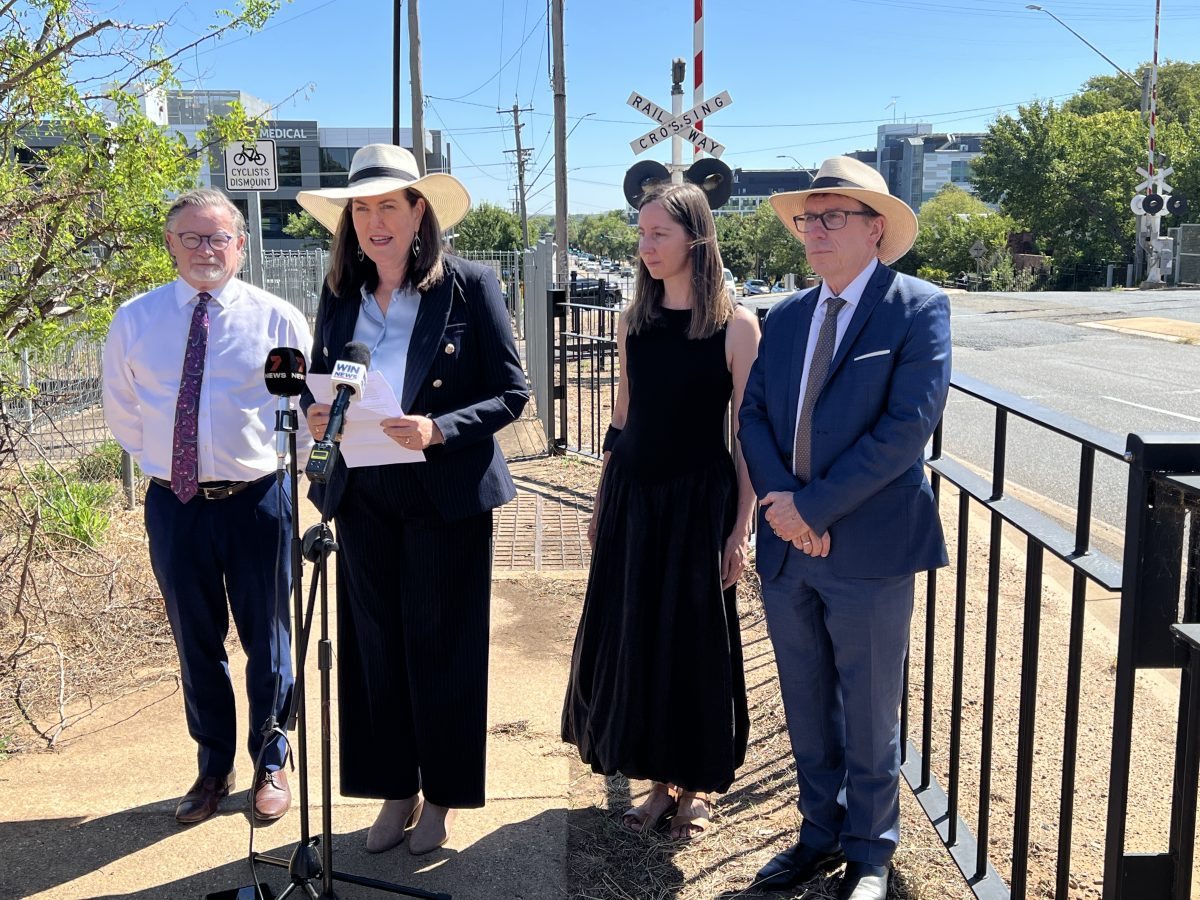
(656,688)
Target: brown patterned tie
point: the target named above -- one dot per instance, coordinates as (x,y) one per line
(185,470)
(817,371)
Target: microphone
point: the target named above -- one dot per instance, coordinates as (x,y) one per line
(348,379)
(284,373)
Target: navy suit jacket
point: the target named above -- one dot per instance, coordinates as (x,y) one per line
(463,371)
(882,399)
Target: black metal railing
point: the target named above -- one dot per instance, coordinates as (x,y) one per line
(995,811)
(587,367)
(1149,584)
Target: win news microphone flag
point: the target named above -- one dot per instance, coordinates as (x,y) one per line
(348,378)
(284,373)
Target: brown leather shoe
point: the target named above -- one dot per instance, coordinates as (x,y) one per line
(272,796)
(203,798)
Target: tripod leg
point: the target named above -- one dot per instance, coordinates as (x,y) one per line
(287,890)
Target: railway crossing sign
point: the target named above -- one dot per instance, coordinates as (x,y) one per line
(682,125)
(251,166)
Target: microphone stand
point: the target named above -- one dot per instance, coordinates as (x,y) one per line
(305,865)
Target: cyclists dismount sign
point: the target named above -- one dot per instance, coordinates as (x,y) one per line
(251,166)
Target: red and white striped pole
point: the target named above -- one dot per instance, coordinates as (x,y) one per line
(698,58)
(1154,99)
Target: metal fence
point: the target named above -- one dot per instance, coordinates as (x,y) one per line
(54,405)
(508,266)
(56,409)
(538,330)
(967,766)
(1157,585)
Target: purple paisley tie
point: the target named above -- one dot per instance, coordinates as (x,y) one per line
(184,465)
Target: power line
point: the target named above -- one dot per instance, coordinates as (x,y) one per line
(503,66)
(434,110)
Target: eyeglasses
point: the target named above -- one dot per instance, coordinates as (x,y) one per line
(832,219)
(192,241)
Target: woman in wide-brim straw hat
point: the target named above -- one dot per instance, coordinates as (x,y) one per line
(414,567)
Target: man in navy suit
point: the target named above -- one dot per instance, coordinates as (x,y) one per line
(850,382)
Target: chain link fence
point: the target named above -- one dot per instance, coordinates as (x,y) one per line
(54,398)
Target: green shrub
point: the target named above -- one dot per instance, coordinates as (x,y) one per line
(102,464)
(70,509)
(934,274)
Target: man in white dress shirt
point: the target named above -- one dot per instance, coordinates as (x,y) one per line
(184,394)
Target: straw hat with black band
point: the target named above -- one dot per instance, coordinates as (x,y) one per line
(379,169)
(854,179)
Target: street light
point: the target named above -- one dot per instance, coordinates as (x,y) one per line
(792,158)
(1037,8)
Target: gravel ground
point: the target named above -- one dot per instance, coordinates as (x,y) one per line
(758,816)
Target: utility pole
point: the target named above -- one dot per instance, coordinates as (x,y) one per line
(418,96)
(522,158)
(560,142)
(397,81)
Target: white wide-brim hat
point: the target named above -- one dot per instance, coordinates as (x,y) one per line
(854,179)
(379,169)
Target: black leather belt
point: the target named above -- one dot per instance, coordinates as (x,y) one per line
(215,490)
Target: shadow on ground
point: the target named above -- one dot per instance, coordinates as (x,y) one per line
(46,854)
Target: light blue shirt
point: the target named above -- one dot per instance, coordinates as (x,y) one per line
(388,335)
(852,294)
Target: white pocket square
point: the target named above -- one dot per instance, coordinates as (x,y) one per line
(869,355)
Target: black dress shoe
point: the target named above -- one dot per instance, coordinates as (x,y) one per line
(863,881)
(796,865)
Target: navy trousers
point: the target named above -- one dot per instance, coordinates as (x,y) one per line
(840,645)
(211,557)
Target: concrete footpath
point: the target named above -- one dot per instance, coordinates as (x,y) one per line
(96,818)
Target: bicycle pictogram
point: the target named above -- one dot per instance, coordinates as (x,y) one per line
(249,154)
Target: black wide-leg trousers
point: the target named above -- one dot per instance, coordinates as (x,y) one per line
(413,614)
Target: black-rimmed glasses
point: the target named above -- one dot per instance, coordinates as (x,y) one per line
(192,241)
(831,219)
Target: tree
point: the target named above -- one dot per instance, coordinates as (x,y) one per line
(608,234)
(81,221)
(1178,93)
(488,227)
(731,238)
(951,223)
(1069,178)
(773,246)
(302,225)
(539,225)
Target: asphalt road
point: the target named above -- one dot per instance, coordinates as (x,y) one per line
(1039,346)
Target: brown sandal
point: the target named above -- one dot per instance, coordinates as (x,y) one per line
(690,827)
(659,805)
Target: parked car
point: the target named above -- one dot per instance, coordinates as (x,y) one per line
(755,286)
(730,284)
(780,288)
(587,290)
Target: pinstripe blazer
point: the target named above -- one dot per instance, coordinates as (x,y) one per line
(463,372)
(883,396)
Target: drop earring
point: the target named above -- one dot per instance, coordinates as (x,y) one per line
(416,246)
(360,253)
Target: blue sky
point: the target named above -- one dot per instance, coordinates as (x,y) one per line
(808,78)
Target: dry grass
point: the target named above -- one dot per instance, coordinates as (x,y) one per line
(80,626)
(755,820)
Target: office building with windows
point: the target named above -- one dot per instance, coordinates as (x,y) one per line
(308,156)
(917,162)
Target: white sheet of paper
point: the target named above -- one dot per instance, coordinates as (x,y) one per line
(363,440)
